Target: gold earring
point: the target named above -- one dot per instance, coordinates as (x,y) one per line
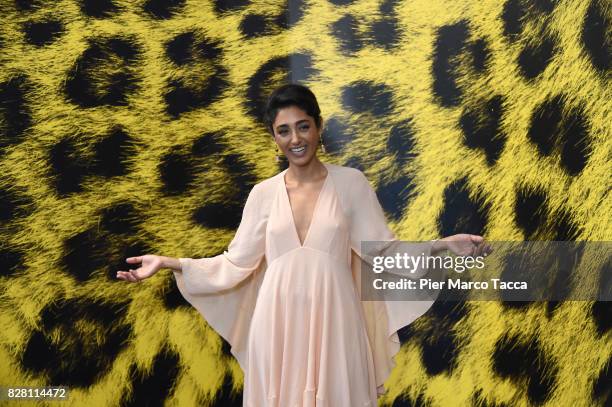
(322,145)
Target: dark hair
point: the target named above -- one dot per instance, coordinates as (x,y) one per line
(291,94)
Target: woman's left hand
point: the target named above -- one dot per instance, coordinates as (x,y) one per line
(465,244)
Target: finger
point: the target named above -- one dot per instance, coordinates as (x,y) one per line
(137,259)
(476,238)
(122,276)
(134,274)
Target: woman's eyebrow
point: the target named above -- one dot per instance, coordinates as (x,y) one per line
(285,125)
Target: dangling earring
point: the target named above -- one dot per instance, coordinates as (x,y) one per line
(322,145)
(277,157)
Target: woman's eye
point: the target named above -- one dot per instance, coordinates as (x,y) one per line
(304,128)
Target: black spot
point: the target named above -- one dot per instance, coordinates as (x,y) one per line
(405,400)
(208,144)
(120,219)
(341,2)
(439,353)
(336,136)
(224,6)
(367,96)
(78,342)
(512,16)
(530,209)
(68,168)
(545,6)
(198,88)
(386,33)
(242,175)
(482,128)
(602,310)
(405,334)
(595,35)
(401,142)
(180,48)
(449,44)
(112,154)
(550,128)
(534,59)
(545,122)
(602,388)
(105,74)
(219,215)
(42,32)
(602,314)
(14,204)
(355,162)
(15,116)
(291,14)
(176,173)
(451,312)
(163,9)
(345,31)
(154,387)
(98,8)
(84,254)
(254,25)
(388,7)
(520,361)
(564,228)
(225,396)
(479,400)
(277,71)
(575,142)
(395,195)
(283,163)
(11,261)
(28,5)
(481,54)
(173,298)
(462,213)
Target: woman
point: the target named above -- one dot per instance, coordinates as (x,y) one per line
(285,293)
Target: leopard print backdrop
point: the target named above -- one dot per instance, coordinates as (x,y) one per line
(130,127)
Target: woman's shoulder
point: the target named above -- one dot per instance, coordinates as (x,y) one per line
(267,186)
(341,171)
(348,180)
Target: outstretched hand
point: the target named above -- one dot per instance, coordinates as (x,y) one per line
(464,244)
(149,265)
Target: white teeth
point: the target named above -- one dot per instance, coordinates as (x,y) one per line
(298,149)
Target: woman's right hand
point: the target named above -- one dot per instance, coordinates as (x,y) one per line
(149,265)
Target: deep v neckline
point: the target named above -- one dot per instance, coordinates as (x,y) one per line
(314,211)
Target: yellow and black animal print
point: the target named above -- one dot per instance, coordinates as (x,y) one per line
(130,127)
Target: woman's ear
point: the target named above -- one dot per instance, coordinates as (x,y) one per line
(321,125)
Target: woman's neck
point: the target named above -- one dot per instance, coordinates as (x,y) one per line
(313,171)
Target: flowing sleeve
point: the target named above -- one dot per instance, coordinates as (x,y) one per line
(224,288)
(382,318)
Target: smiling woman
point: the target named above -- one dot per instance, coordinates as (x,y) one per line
(286,293)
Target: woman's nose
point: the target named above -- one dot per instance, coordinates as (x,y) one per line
(294,136)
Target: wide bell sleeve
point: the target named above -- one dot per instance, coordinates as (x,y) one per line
(383,318)
(224,288)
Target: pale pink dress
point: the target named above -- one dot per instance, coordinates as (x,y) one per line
(292,313)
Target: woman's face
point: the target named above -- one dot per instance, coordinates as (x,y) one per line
(296,135)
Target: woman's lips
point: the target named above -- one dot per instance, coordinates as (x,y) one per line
(298,151)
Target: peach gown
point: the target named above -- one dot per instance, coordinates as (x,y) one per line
(292,312)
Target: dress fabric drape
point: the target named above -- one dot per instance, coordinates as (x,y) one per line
(292,312)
